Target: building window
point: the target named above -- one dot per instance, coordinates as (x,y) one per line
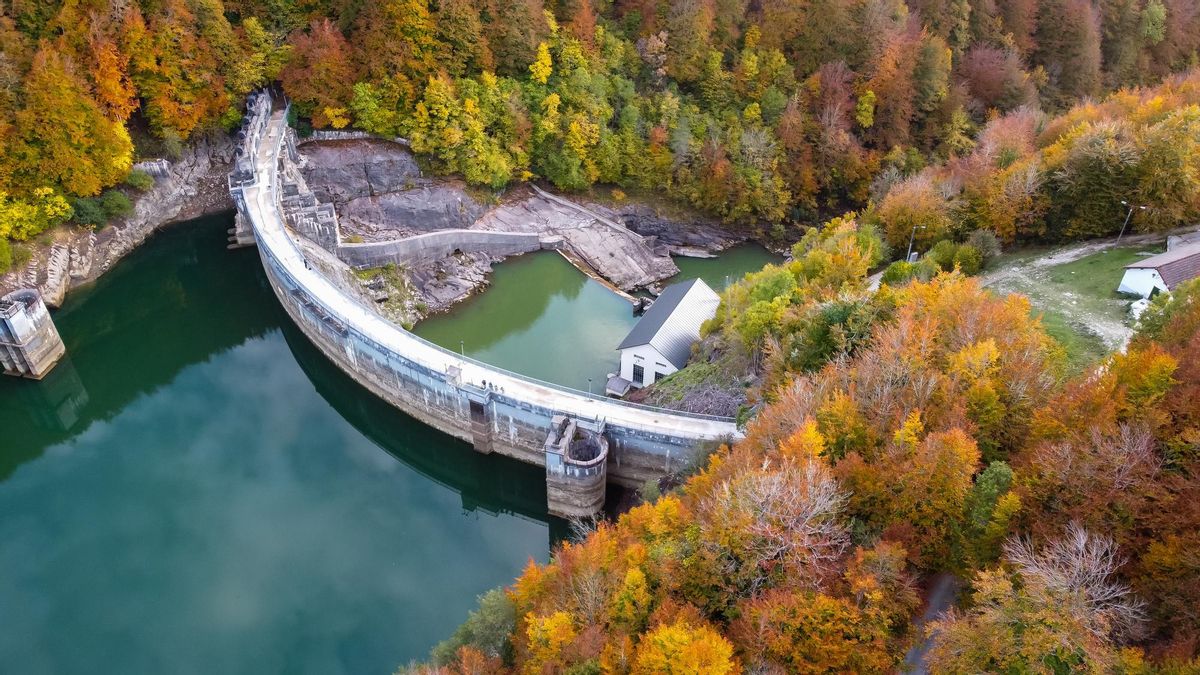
(639,374)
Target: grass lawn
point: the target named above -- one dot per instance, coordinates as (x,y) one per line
(1077,300)
(1082,348)
(1099,274)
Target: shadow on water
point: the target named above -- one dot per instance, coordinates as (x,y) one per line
(197,489)
(176,301)
(184,298)
(492,483)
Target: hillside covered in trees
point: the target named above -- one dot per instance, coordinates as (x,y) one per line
(924,428)
(764,113)
(934,432)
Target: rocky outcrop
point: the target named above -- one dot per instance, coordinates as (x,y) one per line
(54,290)
(383,200)
(434,206)
(623,257)
(441,284)
(341,171)
(687,233)
(194,185)
(191,186)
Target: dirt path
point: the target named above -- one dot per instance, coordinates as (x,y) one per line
(1066,254)
(942,593)
(1030,276)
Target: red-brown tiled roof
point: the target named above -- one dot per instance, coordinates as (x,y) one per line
(1175,267)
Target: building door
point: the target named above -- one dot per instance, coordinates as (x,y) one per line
(639,374)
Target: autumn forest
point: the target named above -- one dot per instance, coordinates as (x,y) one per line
(930,427)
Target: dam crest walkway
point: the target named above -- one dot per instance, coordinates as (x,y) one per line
(648,431)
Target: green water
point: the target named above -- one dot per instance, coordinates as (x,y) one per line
(540,317)
(544,318)
(196,490)
(728,267)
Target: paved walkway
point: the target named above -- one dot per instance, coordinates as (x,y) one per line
(269,230)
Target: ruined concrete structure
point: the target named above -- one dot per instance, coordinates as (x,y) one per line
(29,343)
(580,439)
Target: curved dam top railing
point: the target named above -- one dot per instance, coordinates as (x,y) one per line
(266,131)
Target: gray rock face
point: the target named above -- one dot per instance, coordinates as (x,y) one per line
(619,255)
(424,209)
(341,171)
(54,290)
(691,233)
(191,186)
(442,283)
(194,185)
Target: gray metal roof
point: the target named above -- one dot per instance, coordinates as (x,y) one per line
(672,323)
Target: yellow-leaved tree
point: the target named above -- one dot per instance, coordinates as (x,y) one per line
(62,136)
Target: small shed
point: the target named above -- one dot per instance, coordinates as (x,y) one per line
(662,340)
(1162,272)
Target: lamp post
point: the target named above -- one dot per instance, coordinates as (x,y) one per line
(1127,217)
(462,349)
(911,238)
(589,386)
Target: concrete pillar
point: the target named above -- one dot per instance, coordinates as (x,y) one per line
(29,342)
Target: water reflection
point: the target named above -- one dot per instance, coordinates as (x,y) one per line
(200,491)
(544,318)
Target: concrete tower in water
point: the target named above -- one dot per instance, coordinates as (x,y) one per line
(29,342)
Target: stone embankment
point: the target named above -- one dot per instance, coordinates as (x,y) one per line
(383,200)
(191,186)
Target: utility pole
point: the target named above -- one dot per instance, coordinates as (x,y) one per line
(1127,217)
(911,238)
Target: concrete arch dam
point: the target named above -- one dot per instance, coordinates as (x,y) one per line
(581,439)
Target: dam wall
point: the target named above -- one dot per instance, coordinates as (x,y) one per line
(492,409)
(423,248)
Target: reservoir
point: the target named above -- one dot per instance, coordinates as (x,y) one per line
(544,318)
(195,489)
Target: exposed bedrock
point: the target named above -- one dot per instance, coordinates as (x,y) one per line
(340,171)
(695,233)
(431,207)
(187,187)
(623,257)
(381,196)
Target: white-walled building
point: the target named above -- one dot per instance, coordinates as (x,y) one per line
(661,342)
(1162,272)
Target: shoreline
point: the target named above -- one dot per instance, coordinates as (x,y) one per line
(69,257)
(195,185)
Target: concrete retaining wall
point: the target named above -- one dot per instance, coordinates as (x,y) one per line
(424,248)
(346,135)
